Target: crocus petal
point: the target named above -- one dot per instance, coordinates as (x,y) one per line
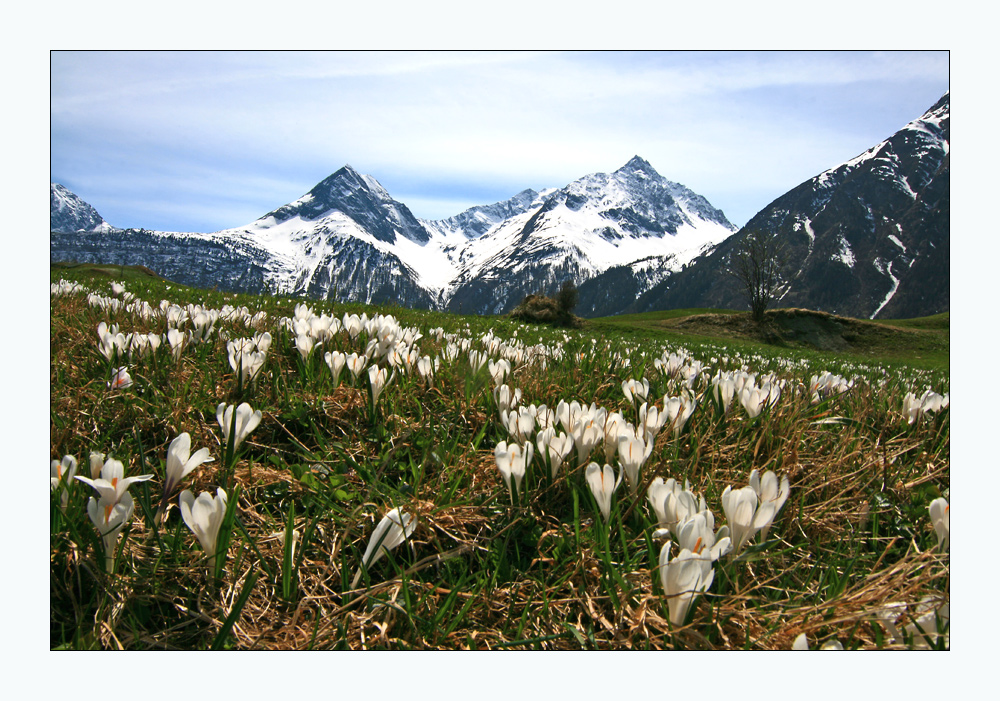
(395,527)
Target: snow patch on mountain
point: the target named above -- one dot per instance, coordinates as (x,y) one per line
(844,253)
(69,213)
(885,269)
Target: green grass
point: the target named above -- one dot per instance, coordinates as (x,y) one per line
(936,322)
(479,572)
(922,342)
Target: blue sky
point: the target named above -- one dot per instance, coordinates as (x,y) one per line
(200,141)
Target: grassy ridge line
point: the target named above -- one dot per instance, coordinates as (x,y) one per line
(923,342)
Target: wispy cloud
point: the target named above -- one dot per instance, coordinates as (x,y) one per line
(223,126)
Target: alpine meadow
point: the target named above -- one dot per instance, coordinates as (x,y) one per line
(232,471)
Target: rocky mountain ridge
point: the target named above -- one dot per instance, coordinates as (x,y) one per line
(347,238)
(867,238)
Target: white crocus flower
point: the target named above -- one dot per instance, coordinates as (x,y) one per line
(304,344)
(672,503)
(379,379)
(180,463)
(323,327)
(477,360)
(931,613)
(246,363)
(632,453)
(724,389)
(923,629)
(246,421)
(697,534)
(771,497)
(506,398)
(689,373)
(603,484)
(680,505)
(556,447)
(110,517)
(939,510)
(62,471)
(352,324)
(677,411)
(426,367)
(112,485)
(542,439)
(684,578)
(96,464)
(615,426)
(121,379)
(651,421)
(262,341)
(753,400)
(204,517)
(356,363)
(395,527)
(740,506)
(930,401)
(520,424)
(512,461)
(544,416)
(499,370)
(112,341)
(142,344)
(336,361)
(567,414)
(202,324)
(635,391)
(656,494)
(586,435)
(564,415)
(177,340)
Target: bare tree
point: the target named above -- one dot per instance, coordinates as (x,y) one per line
(757,263)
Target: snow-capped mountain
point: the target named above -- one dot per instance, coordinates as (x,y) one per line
(579,231)
(348,239)
(69,213)
(476,221)
(868,238)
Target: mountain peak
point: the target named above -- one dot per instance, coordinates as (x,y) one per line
(638,165)
(68,213)
(346,178)
(346,169)
(361,198)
